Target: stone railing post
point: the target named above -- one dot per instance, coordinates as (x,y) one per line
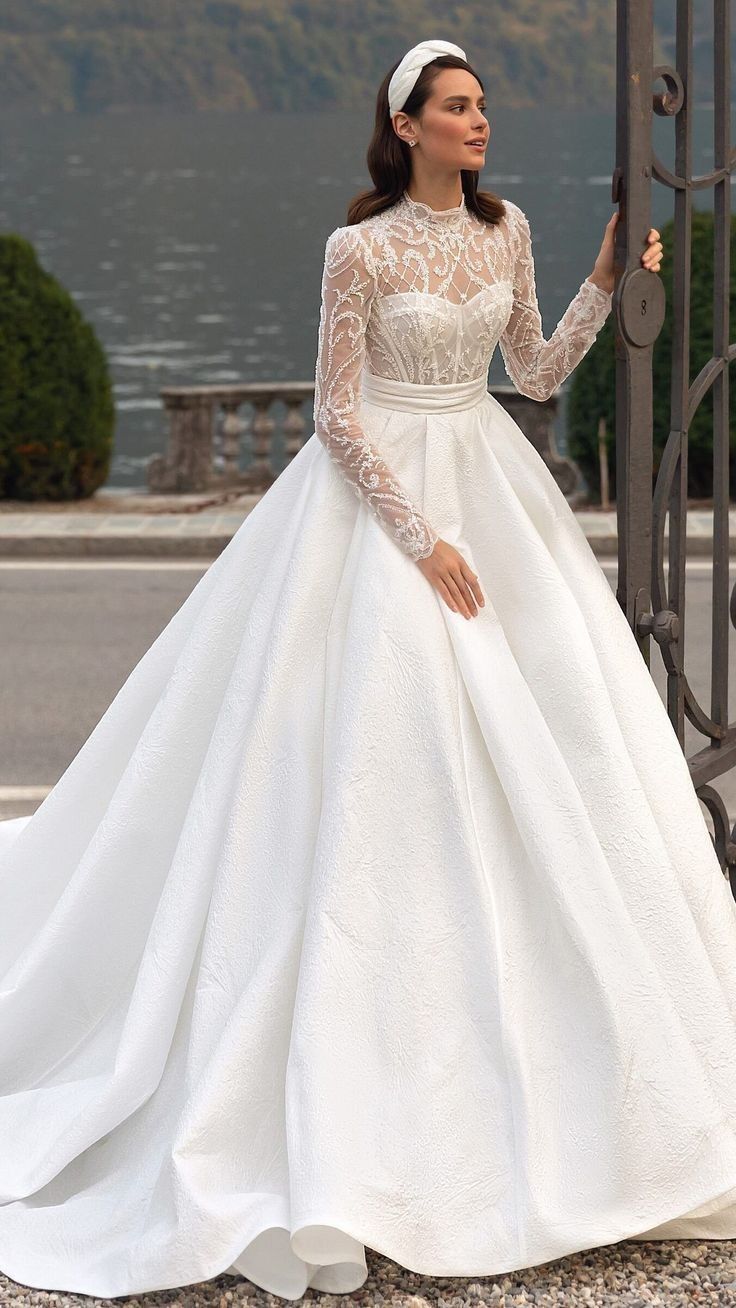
(536,419)
(187,464)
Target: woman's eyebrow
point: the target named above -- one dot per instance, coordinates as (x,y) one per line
(461,97)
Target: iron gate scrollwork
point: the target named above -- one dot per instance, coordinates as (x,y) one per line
(654,604)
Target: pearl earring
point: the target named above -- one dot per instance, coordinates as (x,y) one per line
(412,143)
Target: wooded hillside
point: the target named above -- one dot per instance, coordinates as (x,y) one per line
(292,55)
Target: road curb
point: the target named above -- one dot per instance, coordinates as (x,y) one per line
(112,547)
(124,545)
(129,526)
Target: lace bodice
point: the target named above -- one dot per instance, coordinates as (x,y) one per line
(424,295)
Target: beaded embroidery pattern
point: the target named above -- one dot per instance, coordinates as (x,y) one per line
(421,295)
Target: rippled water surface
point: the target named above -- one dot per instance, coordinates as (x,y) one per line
(194,243)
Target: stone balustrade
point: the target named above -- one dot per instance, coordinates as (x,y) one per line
(212,445)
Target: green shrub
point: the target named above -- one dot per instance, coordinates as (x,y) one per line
(56,408)
(592,386)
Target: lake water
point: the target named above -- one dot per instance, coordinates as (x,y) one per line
(194,243)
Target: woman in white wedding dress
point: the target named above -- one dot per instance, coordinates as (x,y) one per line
(357,921)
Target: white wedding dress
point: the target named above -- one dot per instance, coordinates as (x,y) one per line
(356,922)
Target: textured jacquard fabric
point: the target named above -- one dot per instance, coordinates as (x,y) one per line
(422,295)
(359,925)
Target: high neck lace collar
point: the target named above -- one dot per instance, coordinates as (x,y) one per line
(437,218)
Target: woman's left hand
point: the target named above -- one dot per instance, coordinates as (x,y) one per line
(602,274)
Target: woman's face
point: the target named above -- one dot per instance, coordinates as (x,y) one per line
(452,116)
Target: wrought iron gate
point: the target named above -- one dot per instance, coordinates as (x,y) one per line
(655,605)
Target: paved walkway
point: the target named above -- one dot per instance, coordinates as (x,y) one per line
(120,525)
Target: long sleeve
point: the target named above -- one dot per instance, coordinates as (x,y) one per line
(348,286)
(536,366)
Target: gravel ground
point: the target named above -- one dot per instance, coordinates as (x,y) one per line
(630,1274)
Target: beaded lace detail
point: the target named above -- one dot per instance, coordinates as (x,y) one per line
(424,295)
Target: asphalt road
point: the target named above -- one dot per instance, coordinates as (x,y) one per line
(72,630)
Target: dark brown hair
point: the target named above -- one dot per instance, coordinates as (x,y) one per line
(389,158)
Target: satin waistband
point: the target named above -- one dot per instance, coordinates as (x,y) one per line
(417,397)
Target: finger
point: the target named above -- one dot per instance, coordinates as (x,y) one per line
(447,597)
(457,594)
(469,598)
(472,580)
(465,590)
(467,603)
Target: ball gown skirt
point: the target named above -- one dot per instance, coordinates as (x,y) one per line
(355,922)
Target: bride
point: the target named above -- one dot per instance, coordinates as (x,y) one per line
(379,908)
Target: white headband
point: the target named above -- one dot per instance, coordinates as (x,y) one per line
(404,77)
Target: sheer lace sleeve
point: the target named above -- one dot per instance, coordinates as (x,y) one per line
(536,366)
(348,286)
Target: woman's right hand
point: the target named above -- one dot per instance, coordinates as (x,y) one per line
(452,578)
